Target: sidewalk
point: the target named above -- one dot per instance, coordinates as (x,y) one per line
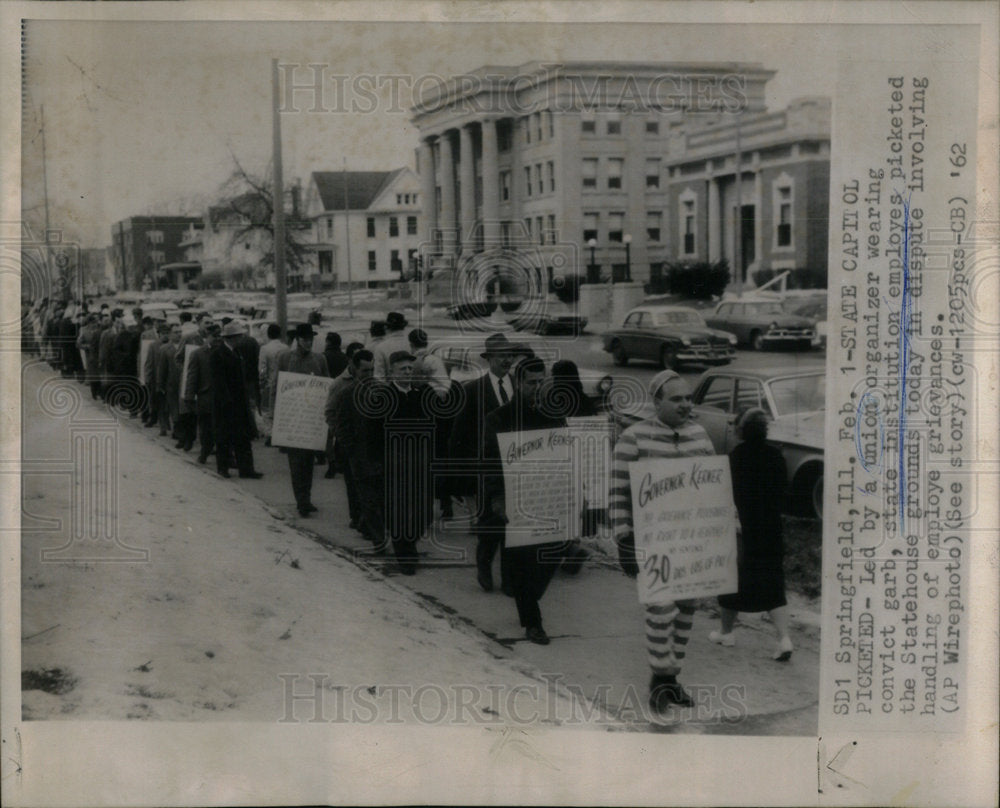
(594,619)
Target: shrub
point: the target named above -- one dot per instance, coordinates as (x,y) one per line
(701,280)
(567,287)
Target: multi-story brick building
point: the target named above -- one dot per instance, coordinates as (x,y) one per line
(141,245)
(577,164)
(784,189)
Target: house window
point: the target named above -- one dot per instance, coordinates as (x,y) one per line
(550,170)
(157,256)
(783,206)
(411,225)
(155,236)
(503,136)
(329,227)
(538,122)
(652,127)
(371,226)
(654,221)
(393,226)
(590,223)
(527,180)
(505,234)
(552,123)
(538,179)
(527,228)
(616,226)
(414,197)
(395,265)
(652,172)
(589,172)
(399,199)
(540,227)
(588,125)
(504,186)
(614,125)
(527,128)
(372,266)
(550,226)
(616,167)
(688,223)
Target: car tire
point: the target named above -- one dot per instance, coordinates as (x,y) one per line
(668,358)
(809,492)
(619,355)
(756,340)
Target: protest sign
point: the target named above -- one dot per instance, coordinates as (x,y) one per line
(685,527)
(543,501)
(298,411)
(593,437)
(143,353)
(189,349)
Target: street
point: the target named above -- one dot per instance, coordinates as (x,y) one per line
(204,593)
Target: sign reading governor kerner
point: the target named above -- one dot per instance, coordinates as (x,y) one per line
(542,498)
(685,528)
(298,411)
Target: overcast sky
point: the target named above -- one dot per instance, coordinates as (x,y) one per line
(141,115)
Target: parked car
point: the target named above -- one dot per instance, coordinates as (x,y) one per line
(795,403)
(547,316)
(670,335)
(470,311)
(762,324)
(813,308)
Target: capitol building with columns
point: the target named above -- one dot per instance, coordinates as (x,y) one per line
(612,170)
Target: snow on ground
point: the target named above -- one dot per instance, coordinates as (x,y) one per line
(230,600)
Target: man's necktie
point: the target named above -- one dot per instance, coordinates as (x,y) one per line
(504,398)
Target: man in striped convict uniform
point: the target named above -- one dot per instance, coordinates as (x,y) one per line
(670,433)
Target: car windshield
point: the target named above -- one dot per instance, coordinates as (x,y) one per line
(678,318)
(798,394)
(764,308)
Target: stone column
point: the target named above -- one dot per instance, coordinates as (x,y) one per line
(428,202)
(714,221)
(467,189)
(758,218)
(491,185)
(447,223)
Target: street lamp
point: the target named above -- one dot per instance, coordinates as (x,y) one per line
(593,261)
(628,257)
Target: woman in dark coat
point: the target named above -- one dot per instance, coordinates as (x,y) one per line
(759,476)
(563,397)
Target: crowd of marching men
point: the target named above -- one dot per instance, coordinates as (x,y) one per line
(406,436)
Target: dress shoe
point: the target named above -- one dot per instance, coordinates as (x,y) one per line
(726,640)
(224,473)
(187,445)
(179,444)
(252,475)
(537,635)
(784,651)
(304,512)
(485,578)
(163,433)
(330,474)
(309,507)
(666,691)
(408,568)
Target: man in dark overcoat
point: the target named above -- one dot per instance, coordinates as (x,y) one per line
(231,408)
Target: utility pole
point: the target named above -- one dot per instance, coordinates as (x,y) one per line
(738,228)
(278,197)
(45,191)
(347,248)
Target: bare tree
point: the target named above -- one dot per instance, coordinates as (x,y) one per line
(249,200)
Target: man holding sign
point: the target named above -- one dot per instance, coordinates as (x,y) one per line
(532,562)
(669,435)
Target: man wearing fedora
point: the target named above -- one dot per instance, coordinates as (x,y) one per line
(465,451)
(231,406)
(395,340)
(301,359)
(199,390)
